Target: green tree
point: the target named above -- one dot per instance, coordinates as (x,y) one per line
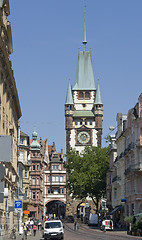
(87,173)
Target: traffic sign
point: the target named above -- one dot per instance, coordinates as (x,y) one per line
(18,204)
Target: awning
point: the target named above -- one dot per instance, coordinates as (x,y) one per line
(138,215)
(114,210)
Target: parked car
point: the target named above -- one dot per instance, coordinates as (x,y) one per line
(93,219)
(107,225)
(53,229)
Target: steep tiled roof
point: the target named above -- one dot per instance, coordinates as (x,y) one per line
(23,134)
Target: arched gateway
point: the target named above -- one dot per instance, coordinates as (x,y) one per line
(55,208)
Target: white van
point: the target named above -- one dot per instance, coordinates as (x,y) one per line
(93,219)
(53,229)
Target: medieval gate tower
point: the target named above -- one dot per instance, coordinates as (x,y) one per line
(83,106)
(83,110)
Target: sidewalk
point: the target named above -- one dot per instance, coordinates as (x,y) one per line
(19,237)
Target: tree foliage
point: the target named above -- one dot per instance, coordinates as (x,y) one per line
(86,173)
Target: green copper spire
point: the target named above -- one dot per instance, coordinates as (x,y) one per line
(69,99)
(98,99)
(84,78)
(35,145)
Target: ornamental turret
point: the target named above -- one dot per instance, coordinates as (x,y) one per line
(35,145)
(98,111)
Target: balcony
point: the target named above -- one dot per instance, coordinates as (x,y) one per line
(35,172)
(55,183)
(36,187)
(116,179)
(130,147)
(133,169)
(121,155)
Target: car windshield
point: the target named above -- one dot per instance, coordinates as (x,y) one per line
(53,225)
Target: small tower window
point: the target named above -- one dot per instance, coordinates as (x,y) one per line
(87,95)
(84,105)
(80,95)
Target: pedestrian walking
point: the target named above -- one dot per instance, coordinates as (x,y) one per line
(75,225)
(29,229)
(25,231)
(34,229)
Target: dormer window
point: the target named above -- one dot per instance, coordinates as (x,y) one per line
(80,95)
(87,95)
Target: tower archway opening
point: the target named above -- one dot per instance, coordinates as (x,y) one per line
(56,209)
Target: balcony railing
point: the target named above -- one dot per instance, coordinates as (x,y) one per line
(116,178)
(55,183)
(133,168)
(121,155)
(130,147)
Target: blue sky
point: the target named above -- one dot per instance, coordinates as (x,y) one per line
(46,37)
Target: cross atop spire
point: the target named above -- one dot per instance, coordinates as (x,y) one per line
(84,41)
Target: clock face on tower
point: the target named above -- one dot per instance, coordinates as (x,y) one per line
(83,137)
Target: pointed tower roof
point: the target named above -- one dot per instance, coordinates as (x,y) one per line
(84,78)
(35,145)
(98,99)
(69,99)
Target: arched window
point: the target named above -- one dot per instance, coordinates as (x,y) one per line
(80,95)
(87,95)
